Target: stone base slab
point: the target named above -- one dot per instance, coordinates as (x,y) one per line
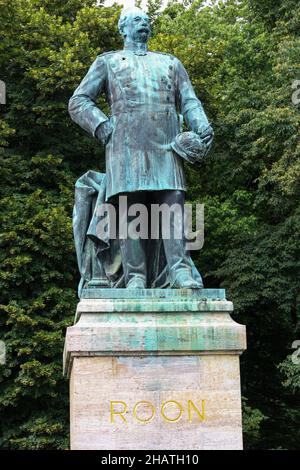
(155,372)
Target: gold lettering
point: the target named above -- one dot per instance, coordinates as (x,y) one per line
(171,420)
(120,413)
(145,420)
(201,413)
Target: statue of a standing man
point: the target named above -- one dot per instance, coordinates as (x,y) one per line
(146,92)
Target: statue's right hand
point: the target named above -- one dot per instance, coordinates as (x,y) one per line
(104,131)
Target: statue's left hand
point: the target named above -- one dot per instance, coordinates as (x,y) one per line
(104,131)
(207,136)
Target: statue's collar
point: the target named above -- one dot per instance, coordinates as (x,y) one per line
(139,48)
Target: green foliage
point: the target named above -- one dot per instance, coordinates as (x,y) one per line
(242,57)
(291,373)
(46,47)
(252,419)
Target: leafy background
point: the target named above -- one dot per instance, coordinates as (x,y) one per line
(242,57)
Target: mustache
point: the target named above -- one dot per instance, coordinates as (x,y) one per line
(145,29)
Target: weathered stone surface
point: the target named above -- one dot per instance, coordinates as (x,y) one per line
(155,374)
(210,382)
(107,293)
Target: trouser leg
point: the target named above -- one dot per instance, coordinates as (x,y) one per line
(174,227)
(132,250)
(178,259)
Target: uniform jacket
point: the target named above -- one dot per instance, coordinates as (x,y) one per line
(146,94)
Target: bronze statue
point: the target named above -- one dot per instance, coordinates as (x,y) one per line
(147,92)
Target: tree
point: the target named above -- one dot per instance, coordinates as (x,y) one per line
(242,56)
(46,48)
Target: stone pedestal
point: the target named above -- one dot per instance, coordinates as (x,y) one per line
(154,369)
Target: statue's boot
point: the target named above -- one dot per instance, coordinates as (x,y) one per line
(136,283)
(180,266)
(185,280)
(134,263)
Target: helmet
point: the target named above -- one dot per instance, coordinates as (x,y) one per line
(190,146)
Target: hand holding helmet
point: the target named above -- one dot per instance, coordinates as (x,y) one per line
(194,146)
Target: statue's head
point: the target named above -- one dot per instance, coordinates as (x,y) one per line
(134,24)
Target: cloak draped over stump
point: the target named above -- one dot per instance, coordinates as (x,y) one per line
(98,256)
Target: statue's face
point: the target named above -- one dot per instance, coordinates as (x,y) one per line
(137,27)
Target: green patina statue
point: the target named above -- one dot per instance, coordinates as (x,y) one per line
(147,92)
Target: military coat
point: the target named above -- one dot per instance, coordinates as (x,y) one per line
(147,95)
